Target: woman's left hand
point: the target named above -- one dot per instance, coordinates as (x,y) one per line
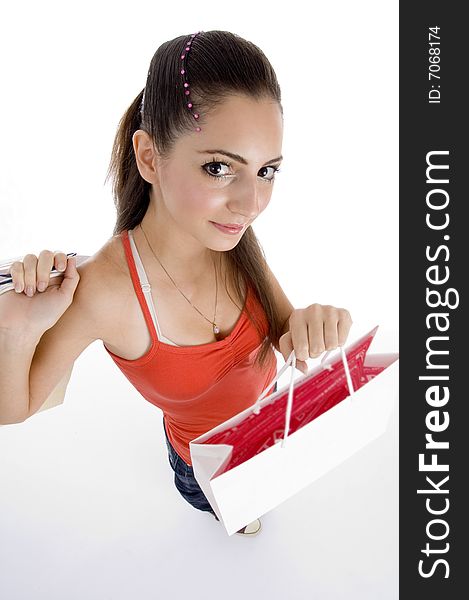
(313,330)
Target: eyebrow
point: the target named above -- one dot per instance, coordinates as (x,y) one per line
(237,157)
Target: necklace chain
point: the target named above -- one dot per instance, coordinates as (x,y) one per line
(216,329)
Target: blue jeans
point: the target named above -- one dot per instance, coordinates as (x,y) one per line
(184,478)
(185,481)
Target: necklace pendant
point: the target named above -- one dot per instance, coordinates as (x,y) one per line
(216,329)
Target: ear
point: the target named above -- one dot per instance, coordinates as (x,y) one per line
(146,156)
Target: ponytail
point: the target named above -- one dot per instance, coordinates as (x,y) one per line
(130,191)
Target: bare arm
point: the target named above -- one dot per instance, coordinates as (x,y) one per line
(33,366)
(16,354)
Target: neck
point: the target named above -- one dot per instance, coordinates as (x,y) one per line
(190,264)
(192,279)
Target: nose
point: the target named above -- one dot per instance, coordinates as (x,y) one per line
(248,200)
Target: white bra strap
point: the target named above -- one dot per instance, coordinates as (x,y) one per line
(144,283)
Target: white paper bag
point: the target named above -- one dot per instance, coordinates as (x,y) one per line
(257,485)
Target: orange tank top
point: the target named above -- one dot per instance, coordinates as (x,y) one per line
(196,387)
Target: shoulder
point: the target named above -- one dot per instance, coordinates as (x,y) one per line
(102,266)
(105,284)
(110,260)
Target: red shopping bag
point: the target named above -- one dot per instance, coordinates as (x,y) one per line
(313,395)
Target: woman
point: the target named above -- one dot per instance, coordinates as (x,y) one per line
(181,295)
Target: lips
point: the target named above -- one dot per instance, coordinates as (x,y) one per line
(228,228)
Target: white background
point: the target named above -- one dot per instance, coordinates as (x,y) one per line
(88,508)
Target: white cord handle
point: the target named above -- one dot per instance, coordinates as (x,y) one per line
(346,368)
(291,361)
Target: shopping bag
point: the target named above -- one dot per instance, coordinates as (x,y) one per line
(267,453)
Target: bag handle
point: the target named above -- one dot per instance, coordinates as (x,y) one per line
(291,361)
(329,367)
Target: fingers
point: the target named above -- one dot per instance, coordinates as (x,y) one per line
(307,328)
(60,261)
(315,321)
(71,277)
(318,328)
(47,261)
(343,326)
(286,346)
(33,273)
(299,334)
(29,266)
(331,335)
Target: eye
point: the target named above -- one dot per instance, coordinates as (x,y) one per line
(274,171)
(213,170)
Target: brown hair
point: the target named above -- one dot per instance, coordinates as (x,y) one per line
(221,64)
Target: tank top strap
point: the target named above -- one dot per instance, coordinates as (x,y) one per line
(141,285)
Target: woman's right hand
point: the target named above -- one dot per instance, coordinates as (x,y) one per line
(30,309)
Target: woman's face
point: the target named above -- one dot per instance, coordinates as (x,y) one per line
(200,184)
